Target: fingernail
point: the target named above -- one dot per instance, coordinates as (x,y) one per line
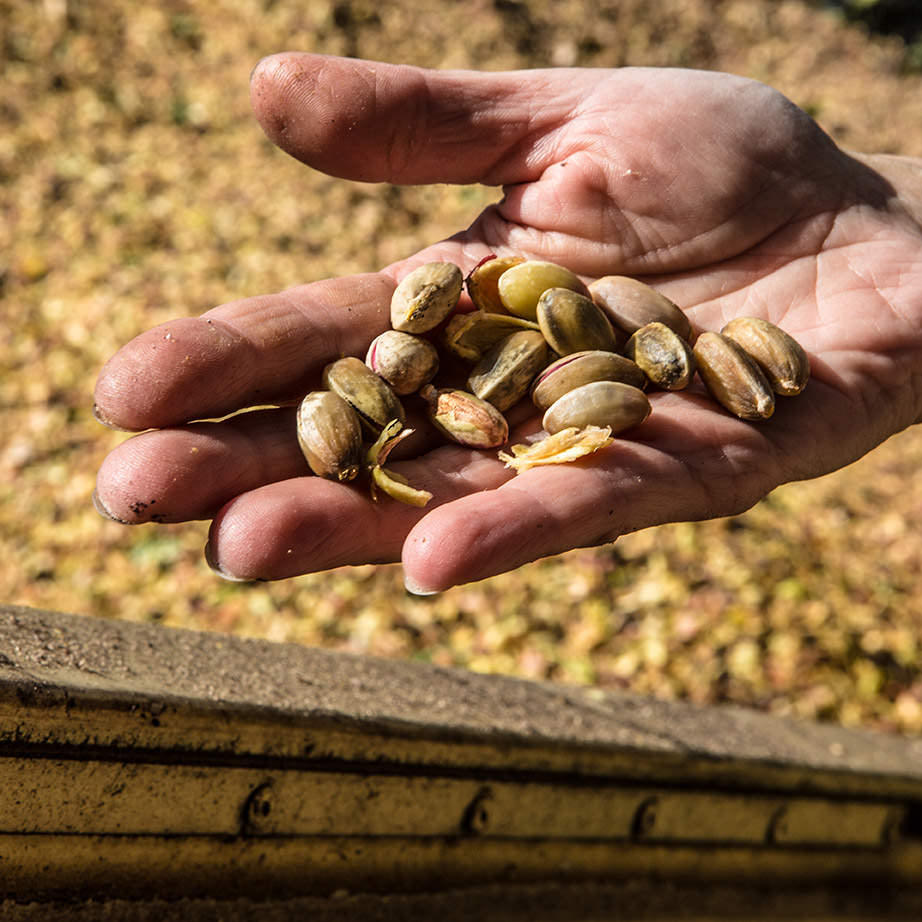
(104,512)
(415,589)
(100,418)
(215,567)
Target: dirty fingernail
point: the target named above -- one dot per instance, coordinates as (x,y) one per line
(215,567)
(415,589)
(100,507)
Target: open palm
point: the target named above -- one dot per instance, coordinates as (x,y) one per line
(715,189)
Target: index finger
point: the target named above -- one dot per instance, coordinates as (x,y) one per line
(261,350)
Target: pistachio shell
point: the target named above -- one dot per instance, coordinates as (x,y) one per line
(330,436)
(469,336)
(600,403)
(522,285)
(663,356)
(578,368)
(406,362)
(425,297)
(482,282)
(571,322)
(779,355)
(733,378)
(631,304)
(371,398)
(505,373)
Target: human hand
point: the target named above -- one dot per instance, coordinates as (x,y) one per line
(714,189)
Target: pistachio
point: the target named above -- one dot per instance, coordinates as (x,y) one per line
(779,355)
(469,336)
(599,403)
(330,436)
(571,322)
(465,418)
(733,378)
(663,356)
(482,282)
(559,448)
(631,304)
(577,368)
(520,286)
(372,399)
(425,297)
(505,373)
(405,361)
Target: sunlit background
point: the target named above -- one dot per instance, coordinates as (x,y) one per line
(135,187)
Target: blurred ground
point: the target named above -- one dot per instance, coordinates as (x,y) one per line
(135,187)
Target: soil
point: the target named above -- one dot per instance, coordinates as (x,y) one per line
(136,187)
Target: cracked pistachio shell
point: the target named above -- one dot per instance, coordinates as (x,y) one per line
(330,436)
(470,335)
(779,355)
(483,281)
(465,418)
(571,322)
(520,286)
(734,380)
(425,297)
(599,403)
(663,356)
(373,400)
(406,362)
(631,304)
(504,375)
(578,368)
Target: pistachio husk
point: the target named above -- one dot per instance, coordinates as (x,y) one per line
(571,322)
(469,336)
(465,418)
(405,361)
(781,358)
(578,368)
(330,436)
(734,380)
(425,297)
(663,356)
(504,375)
(520,286)
(601,403)
(631,304)
(372,399)
(483,281)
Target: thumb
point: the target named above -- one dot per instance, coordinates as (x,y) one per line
(376,122)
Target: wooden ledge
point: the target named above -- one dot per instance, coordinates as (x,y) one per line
(139,761)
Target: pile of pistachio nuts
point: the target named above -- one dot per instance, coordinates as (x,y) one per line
(586,356)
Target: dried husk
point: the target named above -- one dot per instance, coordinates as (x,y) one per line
(781,358)
(330,436)
(425,297)
(578,368)
(601,403)
(733,379)
(504,375)
(372,399)
(521,286)
(405,361)
(560,448)
(631,304)
(663,356)
(572,322)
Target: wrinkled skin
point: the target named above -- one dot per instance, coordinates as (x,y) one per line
(715,189)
